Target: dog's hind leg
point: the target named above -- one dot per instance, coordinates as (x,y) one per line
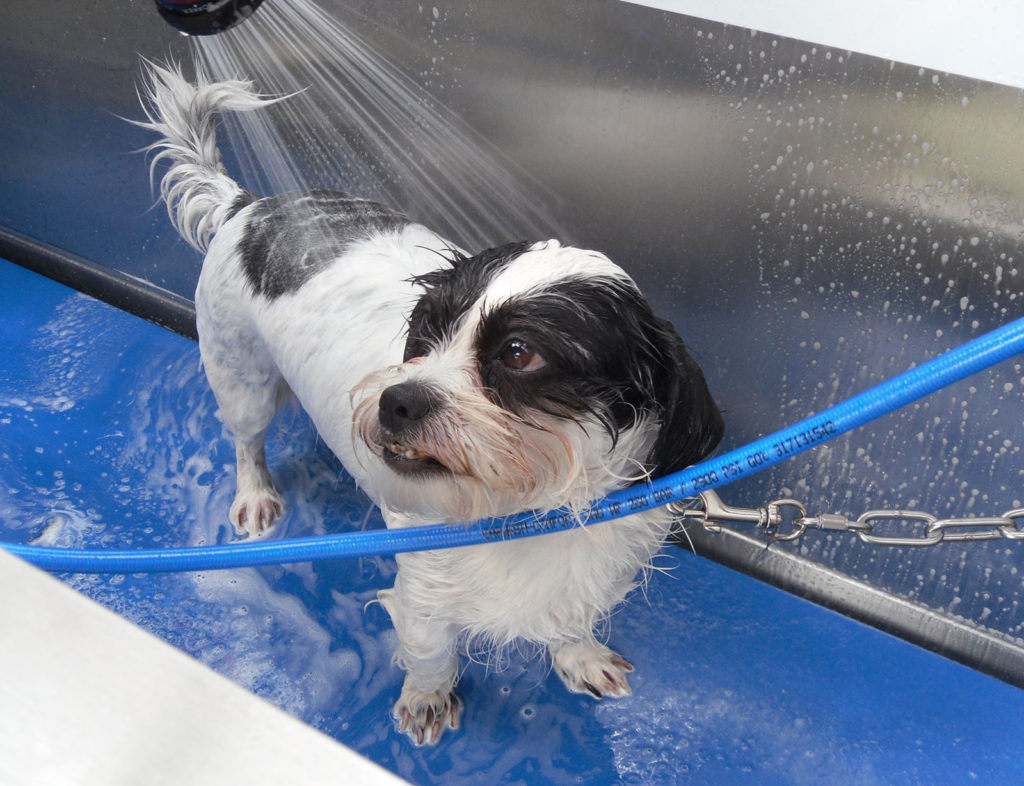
(249,390)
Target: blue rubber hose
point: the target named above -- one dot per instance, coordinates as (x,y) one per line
(954,365)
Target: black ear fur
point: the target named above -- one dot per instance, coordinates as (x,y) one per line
(691,424)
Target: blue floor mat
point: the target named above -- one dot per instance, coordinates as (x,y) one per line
(109,437)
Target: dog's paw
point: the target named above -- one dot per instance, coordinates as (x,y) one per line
(425,716)
(254,512)
(589,667)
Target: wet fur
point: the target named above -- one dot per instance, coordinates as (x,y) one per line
(339,300)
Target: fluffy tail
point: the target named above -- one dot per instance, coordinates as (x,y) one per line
(200,196)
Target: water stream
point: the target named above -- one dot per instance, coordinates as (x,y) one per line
(358,123)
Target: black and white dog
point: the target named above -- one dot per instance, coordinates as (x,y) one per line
(452,387)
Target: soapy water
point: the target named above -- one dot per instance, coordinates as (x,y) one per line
(158,472)
(133,454)
(139,458)
(152,467)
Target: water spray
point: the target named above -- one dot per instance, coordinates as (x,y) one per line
(206,17)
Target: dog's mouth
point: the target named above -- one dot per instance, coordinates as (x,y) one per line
(406,460)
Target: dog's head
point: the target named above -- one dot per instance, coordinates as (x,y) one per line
(535,376)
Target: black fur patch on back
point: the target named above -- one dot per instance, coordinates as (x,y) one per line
(243,200)
(291,237)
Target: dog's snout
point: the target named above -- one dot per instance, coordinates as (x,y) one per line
(404,405)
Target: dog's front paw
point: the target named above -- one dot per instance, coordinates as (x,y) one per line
(425,716)
(589,667)
(254,512)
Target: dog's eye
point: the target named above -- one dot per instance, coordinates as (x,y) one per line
(519,356)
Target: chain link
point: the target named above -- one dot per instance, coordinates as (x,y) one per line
(787,519)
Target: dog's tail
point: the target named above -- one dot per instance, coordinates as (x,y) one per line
(200,195)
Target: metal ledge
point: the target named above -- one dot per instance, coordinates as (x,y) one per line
(122,291)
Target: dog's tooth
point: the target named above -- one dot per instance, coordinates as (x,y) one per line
(410,453)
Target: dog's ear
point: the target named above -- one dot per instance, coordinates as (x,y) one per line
(691,424)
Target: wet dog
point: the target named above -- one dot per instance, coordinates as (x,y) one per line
(452,386)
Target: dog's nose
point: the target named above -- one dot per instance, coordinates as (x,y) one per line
(404,405)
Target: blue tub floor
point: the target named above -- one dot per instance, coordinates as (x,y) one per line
(109,438)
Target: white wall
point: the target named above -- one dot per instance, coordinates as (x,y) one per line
(975,38)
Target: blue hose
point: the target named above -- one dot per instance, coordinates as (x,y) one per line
(957,364)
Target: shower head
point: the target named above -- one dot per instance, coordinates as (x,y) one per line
(206,17)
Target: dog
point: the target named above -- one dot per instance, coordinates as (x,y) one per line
(452,386)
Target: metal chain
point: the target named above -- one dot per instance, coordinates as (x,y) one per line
(787,519)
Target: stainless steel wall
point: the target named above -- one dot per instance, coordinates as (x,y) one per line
(812,220)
